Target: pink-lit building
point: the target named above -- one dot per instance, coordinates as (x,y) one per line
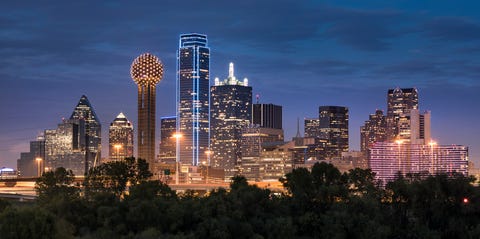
(387,159)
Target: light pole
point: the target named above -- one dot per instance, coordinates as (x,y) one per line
(39,162)
(177,137)
(118,147)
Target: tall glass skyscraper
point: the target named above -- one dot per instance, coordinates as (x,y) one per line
(399,102)
(193,76)
(334,128)
(231,109)
(120,138)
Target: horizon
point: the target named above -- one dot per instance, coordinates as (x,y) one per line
(302,56)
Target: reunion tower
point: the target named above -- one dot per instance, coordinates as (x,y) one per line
(146,71)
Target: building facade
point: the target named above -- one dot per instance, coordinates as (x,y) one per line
(193,75)
(333,127)
(374,130)
(168,146)
(388,159)
(230,112)
(146,71)
(267,115)
(92,130)
(32,163)
(399,102)
(120,138)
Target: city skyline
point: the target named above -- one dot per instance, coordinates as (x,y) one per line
(342,53)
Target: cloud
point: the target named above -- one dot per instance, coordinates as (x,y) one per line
(451,29)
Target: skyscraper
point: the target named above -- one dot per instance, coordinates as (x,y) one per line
(312,128)
(65,147)
(267,115)
(334,128)
(120,140)
(230,110)
(168,127)
(146,71)
(32,162)
(373,131)
(193,75)
(92,130)
(399,102)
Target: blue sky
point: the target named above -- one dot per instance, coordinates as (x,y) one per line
(298,54)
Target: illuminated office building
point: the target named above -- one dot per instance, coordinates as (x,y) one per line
(252,141)
(373,131)
(193,74)
(267,116)
(92,130)
(333,127)
(168,127)
(387,159)
(120,140)
(65,147)
(230,112)
(399,102)
(32,162)
(146,71)
(312,128)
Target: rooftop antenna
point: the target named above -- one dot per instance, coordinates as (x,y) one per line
(258,98)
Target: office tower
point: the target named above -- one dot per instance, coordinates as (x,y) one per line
(373,131)
(31,163)
(267,115)
(334,128)
(120,140)
(146,71)
(230,111)
(92,131)
(168,145)
(65,147)
(387,159)
(193,74)
(312,128)
(276,160)
(399,102)
(253,139)
(414,127)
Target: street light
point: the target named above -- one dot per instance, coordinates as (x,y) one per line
(117,147)
(177,137)
(39,161)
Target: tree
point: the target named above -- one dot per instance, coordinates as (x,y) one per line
(56,184)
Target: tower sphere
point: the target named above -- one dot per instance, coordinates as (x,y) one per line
(146,69)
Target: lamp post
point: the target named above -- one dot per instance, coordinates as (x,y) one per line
(39,162)
(117,147)
(177,137)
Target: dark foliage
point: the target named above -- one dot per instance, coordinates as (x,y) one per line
(321,203)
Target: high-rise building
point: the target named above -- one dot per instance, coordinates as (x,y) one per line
(414,127)
(120,140)
(168,145)
(146,71)
(193,75)
(65,147)
(267,115)
(333,127)
(312,128)
(230,112)
(93,129)
(373,131)
(387,159)
(31,163)
(399,102)
(253,139)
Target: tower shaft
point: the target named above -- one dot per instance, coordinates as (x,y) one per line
(146,123)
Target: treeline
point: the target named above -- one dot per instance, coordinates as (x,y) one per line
(321,203)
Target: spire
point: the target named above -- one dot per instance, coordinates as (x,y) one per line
(298,128)
(230,70)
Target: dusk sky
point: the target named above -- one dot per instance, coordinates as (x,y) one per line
(298,54)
